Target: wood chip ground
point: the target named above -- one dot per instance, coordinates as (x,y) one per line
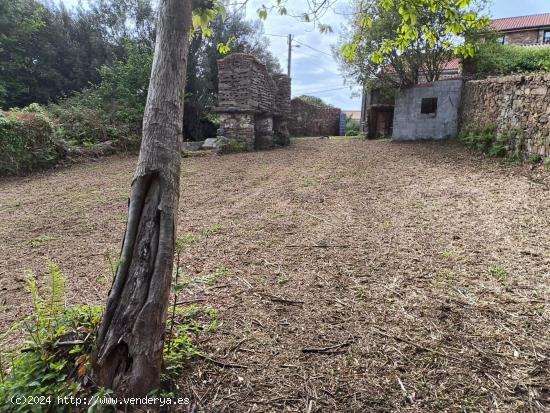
(352,276)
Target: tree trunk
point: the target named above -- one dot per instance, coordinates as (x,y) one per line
(128,354)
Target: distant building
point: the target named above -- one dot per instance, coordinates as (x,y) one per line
(377,111)
(523,30)
(353,114)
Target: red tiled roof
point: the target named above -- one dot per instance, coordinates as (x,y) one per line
(521,22)
(453,64)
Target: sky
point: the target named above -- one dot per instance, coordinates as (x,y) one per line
(315,72)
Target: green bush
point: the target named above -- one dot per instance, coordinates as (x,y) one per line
(26,141)
(82,122)
(496,59)
(353,127)
(487,141)
(56,359)
(112,111)
(124,84)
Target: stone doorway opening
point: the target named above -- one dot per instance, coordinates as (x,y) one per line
(263,132)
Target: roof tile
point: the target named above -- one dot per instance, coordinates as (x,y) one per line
(521,22)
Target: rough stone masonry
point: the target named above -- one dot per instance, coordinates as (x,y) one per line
(253,106)
(307,119)
(516,105)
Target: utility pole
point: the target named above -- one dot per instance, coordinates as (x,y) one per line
(289,54)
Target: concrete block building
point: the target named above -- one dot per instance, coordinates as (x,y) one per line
(428,111)
(404,118)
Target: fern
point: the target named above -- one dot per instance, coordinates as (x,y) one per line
(48,301)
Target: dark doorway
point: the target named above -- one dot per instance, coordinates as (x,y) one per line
(380,122)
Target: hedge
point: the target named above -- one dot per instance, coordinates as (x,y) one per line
(26,142)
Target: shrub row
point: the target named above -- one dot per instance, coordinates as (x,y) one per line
(500,60)
(26,142)
(36,138)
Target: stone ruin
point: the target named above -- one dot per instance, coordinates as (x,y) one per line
(253,106)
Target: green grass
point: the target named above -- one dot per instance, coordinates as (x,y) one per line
(500,274)
(41,240)
(214,277)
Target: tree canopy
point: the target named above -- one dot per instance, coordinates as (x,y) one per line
(380,56)
(314,100)
(47,51)
(458,17)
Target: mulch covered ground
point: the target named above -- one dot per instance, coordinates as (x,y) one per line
(349,276)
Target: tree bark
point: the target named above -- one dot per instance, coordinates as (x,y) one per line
(128,354)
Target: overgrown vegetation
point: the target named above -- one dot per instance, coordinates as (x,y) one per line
(26,141)
(314,100)
(489,142)
(98,120)
(55,361)
(353,127)
(113,110)
(495,59)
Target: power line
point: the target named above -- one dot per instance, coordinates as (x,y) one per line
(291,38)
(274,35)
(302,43)
(329,86)
(319,91)
(312,48)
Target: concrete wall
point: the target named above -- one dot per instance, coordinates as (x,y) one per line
(517,105)
(410,124)
(311,120)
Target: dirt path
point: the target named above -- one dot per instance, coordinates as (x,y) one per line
(352,276)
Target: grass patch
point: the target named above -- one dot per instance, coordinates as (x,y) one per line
(214,277)
(41,240)
(500,274)
(185,327)
(216,229)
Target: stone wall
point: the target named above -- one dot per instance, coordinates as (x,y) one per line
(409,123)
(282,110)
(244,84)
(311,120)
(518,105)
(522,37)
(253,106)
